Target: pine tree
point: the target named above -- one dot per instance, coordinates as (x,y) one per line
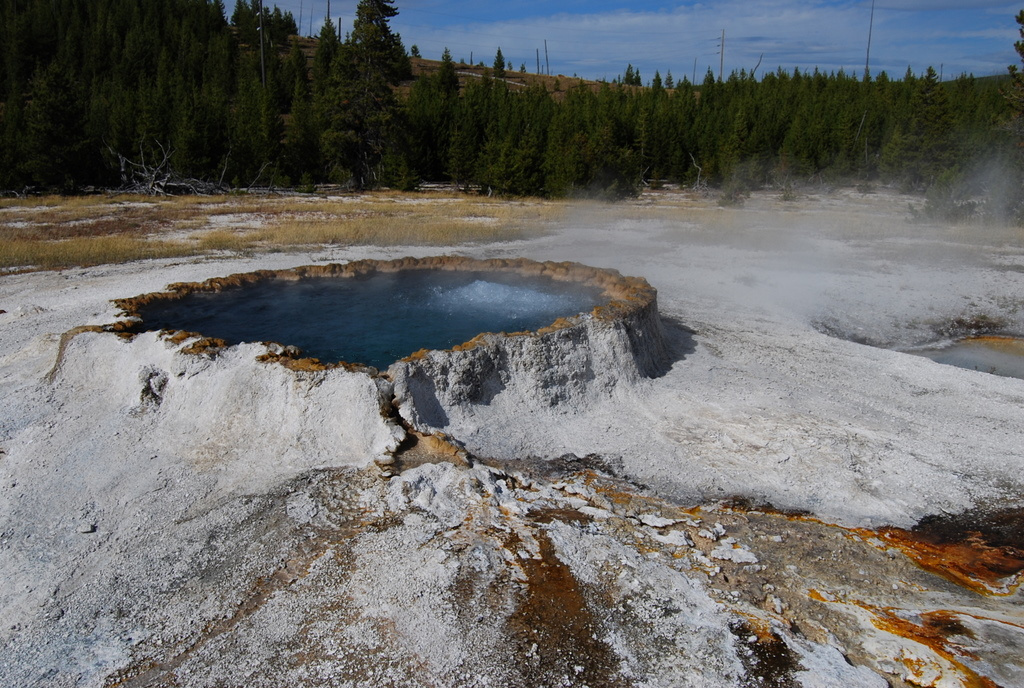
(294,72)
(200,137)
(327,48)
(447,79)
(1015,94)
(362,110)
(245,19)
(926,146)
(12,141)
(472,115)
(430,115)
(280,26)
(57,147)
(302,141)
(249,141)
(499,65)
(84,82)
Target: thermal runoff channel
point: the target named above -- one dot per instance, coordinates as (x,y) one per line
(377,319)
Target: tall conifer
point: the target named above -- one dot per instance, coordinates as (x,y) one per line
(362,110)
(1015,94)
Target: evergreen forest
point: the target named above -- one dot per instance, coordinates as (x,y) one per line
(102,93)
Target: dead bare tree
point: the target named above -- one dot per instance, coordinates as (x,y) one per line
(753,72)
(700,185)
(259,175)
(159,178)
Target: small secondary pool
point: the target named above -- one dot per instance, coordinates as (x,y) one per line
(375,319)
(990,354)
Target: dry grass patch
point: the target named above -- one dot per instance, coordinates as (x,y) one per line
(393,219)
(92,216)
(393,205)
(55,232)
(225,240)
(388,230)
(67,209)
(59,202)
(79,251)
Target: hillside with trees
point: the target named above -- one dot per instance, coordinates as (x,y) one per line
(129,93)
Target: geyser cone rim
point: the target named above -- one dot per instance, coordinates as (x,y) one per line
(621,295)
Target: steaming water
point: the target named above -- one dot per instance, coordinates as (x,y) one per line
(374,320)
(997,355)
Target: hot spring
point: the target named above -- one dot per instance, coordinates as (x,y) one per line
(347,359)
(962,344)
(997,355)
(374,319)
(376,313)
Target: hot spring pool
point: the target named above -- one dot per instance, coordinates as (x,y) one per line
(990,354)
(377,318)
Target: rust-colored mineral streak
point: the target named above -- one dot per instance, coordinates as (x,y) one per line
(935,631)
(980,550)
(983,552)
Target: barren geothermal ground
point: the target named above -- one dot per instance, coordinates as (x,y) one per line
(790,500)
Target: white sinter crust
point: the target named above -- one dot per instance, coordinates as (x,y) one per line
(211,519)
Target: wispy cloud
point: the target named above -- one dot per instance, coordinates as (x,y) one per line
(598,39)
(941,5)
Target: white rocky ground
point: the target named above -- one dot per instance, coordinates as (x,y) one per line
(172,519)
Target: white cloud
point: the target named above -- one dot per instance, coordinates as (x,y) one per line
(789,33)
(939,5)
(673,40)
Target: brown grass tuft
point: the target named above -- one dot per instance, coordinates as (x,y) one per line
(79,251)
(55,232)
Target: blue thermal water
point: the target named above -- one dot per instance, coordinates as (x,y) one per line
(373,320)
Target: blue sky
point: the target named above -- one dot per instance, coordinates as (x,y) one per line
(598,38)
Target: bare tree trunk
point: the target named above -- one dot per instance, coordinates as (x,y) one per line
(161,179)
